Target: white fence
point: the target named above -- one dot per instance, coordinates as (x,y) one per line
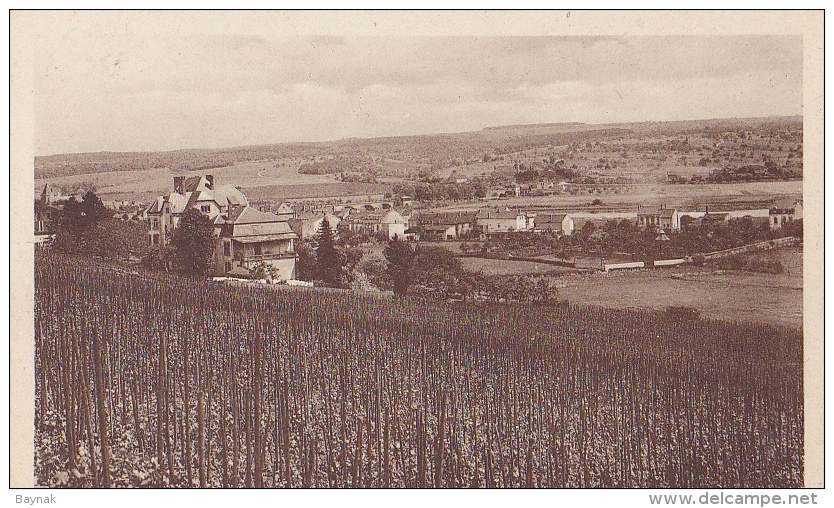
(669,262)
(623,266)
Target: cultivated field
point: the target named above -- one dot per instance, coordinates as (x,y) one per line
(148,183)
(681,196)
(302,389)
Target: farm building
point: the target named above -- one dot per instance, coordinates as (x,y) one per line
(197,192)
(784,212)
(554,223)
(501,221)
(664,218)
(446,226)
(390,223)
(248,237)
(456,178)
(781,217)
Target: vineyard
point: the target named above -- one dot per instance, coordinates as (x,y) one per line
(154,381)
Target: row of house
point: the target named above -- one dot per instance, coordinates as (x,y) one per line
(452,225)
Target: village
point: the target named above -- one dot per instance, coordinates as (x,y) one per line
(252,233)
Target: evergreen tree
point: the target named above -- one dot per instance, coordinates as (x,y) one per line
(193,243)
(401,258)
(329,261)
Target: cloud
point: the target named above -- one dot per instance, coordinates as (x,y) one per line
(121,91)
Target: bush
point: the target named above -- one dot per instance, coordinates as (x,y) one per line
(262,270)
(758,263)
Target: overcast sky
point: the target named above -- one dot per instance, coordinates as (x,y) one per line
(128,92)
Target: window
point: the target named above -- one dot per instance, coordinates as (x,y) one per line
(228,266)
(227,249)
(776,220)
(205,208)
(154,223)
(257,249)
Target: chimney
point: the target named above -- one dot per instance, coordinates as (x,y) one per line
(178,184)
(210,182)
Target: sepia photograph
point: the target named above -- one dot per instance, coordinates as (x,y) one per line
(552,250)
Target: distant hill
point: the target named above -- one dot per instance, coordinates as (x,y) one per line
(434,151)
(563,125)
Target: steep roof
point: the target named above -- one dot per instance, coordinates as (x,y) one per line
(500,214)
(284,208)
(663,212)
(249,215)
(392,217)
(364,215)
(250,225)
(156,205)
(550,218)
(448,218)
(178,202)
(192,183)
(193,197)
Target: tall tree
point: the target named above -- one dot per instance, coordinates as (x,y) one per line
(437,270)
(193,243)
(401,258)
(329,260)
(79,229)
(305,266)
(83,215)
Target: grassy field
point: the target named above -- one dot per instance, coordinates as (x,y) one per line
(504,267)
(741,296)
